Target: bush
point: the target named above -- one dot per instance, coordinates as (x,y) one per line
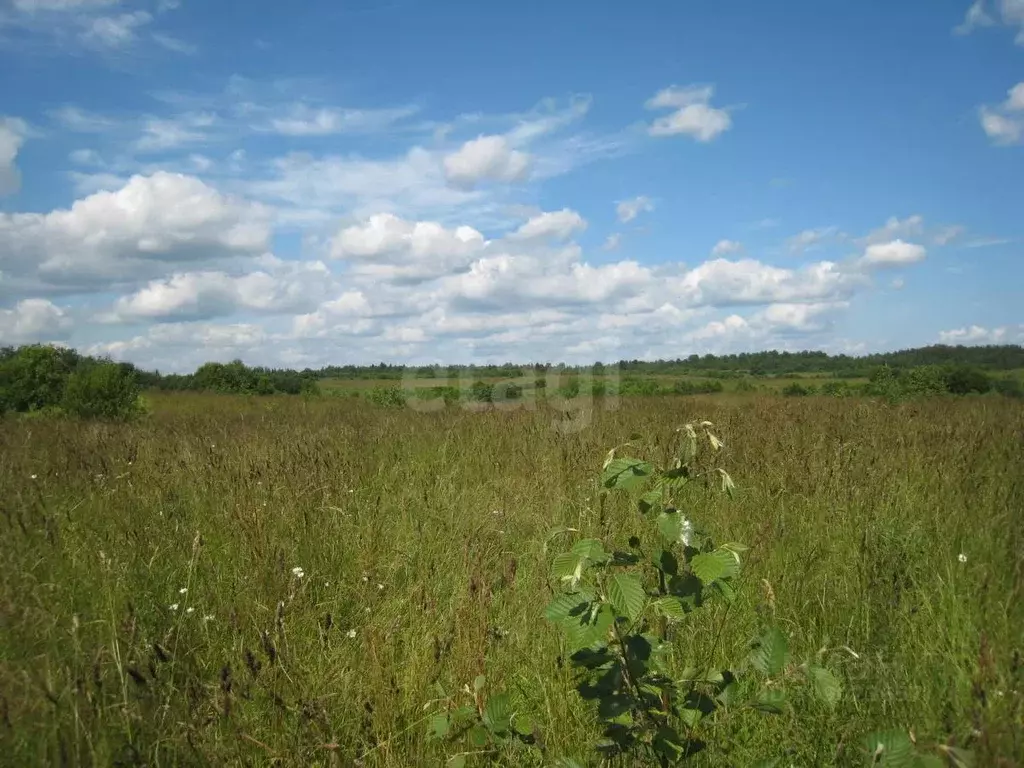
(964,380)
(33,378)
(387,397)
(796,389)
(102,391)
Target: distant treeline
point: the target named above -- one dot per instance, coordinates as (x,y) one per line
(234,378)
(994,358)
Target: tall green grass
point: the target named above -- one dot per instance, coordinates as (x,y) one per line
(421,539)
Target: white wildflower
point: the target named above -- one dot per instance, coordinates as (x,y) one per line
(298,572)
(35,477)
(351,634)
(962,557)
(183,590)
(173,606)
(207,617)
(189,610)
(365,578)
(380,587)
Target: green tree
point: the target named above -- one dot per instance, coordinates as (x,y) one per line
(102,391)
(33,377)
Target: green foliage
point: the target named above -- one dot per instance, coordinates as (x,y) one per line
(796,389)
(102,391)
(616,609)
(387,397)
(33,377)
(484,725)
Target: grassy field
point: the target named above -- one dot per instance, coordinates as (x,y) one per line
(150,613)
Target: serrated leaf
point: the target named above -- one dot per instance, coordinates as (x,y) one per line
(626,474)
(770,652)
(439,726)
(710,566)
(671,608)
(564,607)
(463,715)
(892,749)
(478,736)
(522,724)
(651,500)
(668,743)
(590,549)
(670,527)
(627,594)
(771,701)
(564,564)
(592,628)
(498,713)
(690,717)
(826,686)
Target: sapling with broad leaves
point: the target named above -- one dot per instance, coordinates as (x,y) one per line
(621,609)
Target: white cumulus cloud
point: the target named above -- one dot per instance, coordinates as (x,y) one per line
(693,114)
(33,320)
(1004,123)
(145,228)
(892,254)
(489,158)
(558,225)
(725,247)
(627,210)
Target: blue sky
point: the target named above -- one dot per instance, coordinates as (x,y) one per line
(316,183)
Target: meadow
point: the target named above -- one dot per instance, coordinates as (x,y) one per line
(299,581)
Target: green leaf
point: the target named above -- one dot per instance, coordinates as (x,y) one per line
(522,724)
(626,594)
(770,652)
(826,686)
(626,474)
(592,627)
(478,736)
(498,713)
(439,726)
(564,564)
(456,761)
(671,608)
(892,749)
(479,683)
(768,762)
(670,526)
(771,701)
(652,500)
(590,549)
(668,743)
(565,607)
(690,717)
(710,566)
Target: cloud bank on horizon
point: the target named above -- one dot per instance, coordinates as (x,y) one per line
(419,184)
